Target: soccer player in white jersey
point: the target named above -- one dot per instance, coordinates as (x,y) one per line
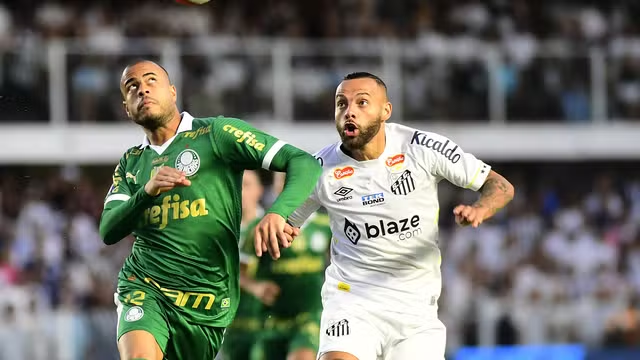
(379,185)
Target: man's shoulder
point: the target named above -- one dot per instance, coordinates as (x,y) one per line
(211,121)
(419,141)
(328,155)
(410,136)
(133,153)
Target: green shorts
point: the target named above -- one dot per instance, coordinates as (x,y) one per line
(284,336)
(141,308)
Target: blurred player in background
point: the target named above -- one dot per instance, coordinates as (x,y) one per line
(289,288)
(242,334)
(379,186)
(179,193)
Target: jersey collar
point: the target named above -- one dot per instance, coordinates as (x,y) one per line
(186,124)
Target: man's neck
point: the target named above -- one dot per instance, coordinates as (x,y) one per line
(162,134)
(372,150)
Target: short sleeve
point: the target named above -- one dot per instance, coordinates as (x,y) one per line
(119,190)
(242,145)
(446,160)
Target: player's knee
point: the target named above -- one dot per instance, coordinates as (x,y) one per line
(140,355)
(138,345)
(337,355)
(136,356)
(302,354)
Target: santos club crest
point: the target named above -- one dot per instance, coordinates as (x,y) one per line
(402,184)
(188,161)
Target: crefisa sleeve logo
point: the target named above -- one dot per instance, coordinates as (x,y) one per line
(188,161)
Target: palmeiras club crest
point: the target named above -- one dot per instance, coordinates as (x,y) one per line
(188,161)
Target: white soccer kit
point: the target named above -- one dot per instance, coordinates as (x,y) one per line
(382,286)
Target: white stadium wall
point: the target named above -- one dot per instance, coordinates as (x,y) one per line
(104,144)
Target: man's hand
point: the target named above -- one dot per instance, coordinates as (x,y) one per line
(271,233)
(164,180)
(292,231)
(266,291)
(470,215)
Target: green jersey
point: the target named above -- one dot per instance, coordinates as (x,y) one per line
(300,270)
(186,244)
(247,318)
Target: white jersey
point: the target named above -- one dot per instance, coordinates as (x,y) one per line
(384,217)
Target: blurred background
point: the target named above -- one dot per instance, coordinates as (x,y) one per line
(548,92)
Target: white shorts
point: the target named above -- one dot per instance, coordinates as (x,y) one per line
(374,334)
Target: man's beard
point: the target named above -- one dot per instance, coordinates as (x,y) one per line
(152,122)
(365,134)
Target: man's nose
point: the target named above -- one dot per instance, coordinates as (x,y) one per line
(142,90)
(348,114)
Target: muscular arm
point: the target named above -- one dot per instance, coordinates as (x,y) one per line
(266,291)
(495,193)
(247,283)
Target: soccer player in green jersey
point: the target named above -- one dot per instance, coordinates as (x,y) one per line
(291,318)
(242,333)
(179,193)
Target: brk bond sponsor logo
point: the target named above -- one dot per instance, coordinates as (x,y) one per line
(420,138)
(373,199)
(401,230)
(246,137)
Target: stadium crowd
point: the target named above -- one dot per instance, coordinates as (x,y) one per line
(545,47)
(561,265)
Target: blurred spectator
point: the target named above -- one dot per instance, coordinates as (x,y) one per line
(544,49)
(623,328)
(572,275)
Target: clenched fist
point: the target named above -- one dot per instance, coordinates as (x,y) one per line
(470,215)
(164,180)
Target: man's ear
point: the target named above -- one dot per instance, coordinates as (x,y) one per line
(387,109)
(126,110)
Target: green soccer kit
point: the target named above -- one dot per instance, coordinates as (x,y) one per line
(242,333)
(181,281)
(293,322)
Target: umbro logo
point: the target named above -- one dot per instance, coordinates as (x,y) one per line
(340,328)
(344,192)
